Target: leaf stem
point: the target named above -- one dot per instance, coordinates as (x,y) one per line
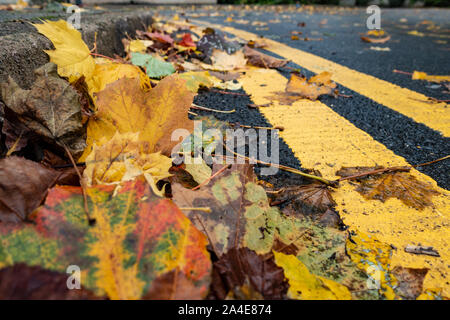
(204,209)
(83,192)
(430,162)
(382,170)
(286,168)
(232,93)
(402,72)
(195,106)
(102,56)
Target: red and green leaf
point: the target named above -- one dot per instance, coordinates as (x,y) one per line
(137,238)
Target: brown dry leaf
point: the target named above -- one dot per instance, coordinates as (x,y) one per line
(410,281)
(316,85)
(299,87)
(23,187)
(51,109)
(262,60)
(180,176)
(400,185)
(222,61)
(174,285)
(22,282)
(313,201)
(16,133)
(244,268)
(124,106)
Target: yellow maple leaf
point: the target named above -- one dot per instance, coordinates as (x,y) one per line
(307,286)
(107,72)
(71,54)
(121,159)
(124,106)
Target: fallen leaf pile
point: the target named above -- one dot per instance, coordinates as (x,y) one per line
(89,179)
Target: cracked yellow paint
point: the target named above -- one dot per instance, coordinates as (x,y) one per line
(405,101)
(323,140)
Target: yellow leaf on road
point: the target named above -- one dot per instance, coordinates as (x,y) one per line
(71,54)
(306,286)
(417,75)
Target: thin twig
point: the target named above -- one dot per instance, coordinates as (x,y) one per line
(86,209)
(430,162)
(286,168)
(14,146)
(280,128)
(102,56)
(195,106)
(204,209)
(94,49)
(345,95)
(227,92)
(382,170)
(392,169)
(438,100)
(402,72)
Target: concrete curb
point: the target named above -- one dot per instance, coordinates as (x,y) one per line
(22,51)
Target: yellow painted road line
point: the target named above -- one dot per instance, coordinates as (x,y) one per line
(405,101)
(323,140)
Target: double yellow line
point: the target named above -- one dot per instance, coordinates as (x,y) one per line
(409,103)
(324,140)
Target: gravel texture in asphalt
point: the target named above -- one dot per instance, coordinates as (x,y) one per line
(339,30)
(414,141)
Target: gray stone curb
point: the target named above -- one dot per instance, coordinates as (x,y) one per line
(22,51)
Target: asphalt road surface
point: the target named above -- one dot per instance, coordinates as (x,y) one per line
(386,118)
(339,32)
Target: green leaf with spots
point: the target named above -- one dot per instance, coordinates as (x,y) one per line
(136,240)
(237,212)
(154,67)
